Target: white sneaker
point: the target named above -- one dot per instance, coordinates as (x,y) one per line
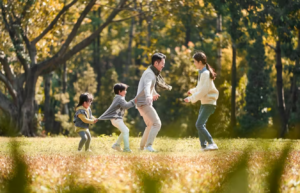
(116,147)
(150,149)
(211,147)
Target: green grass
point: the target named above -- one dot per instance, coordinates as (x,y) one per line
(55,165)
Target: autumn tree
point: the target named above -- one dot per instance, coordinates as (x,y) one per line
(25,36)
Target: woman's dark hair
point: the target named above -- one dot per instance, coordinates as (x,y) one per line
(200,56)
(119,87)
(157,57)
(84,97)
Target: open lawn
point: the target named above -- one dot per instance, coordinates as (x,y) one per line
(54,165)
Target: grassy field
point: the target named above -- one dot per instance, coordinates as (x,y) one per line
(54,165)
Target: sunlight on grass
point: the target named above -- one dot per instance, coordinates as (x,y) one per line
(55,165)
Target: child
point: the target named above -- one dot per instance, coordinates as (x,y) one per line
(115,114)
(207,93)
(82,118)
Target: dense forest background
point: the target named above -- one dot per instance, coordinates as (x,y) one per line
(51,51)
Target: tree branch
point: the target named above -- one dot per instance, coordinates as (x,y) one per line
(12,33)
(57,60)
(7,70)
(10,88)
(54,21)
(76,27)
(128,17)
(6,105)
(271,46)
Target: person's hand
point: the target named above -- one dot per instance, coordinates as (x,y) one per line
(135,100)
(155,97)
(96,120)
(187,100)
(149,100)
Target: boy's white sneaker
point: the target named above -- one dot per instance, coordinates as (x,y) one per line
(150,149)
(211,147)
(116,147)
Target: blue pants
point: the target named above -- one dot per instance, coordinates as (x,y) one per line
(204,113)
(85,140)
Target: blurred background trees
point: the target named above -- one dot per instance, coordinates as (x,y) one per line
(253,45)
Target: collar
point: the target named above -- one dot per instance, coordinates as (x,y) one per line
(81,107)
(156,72)
(203,69)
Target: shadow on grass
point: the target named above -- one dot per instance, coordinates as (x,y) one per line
(236,179)
(18,181)
(277,168)
(151,178)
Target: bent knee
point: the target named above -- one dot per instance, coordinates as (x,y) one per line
(157,124)
(200,126)
(84,139)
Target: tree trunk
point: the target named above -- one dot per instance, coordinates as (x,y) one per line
(188,27)
(233,88)
(65,108)
(28,108)
(149,22)
(129,49)
(96,52)
(292,102)
(47,106)
(280,92)
(219,46)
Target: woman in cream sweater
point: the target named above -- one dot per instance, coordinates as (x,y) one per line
(206,92)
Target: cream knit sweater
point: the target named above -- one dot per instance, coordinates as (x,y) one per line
(205,91)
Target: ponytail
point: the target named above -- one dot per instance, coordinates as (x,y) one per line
(212,73)
(200,56)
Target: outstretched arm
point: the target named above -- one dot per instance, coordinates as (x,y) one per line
(83,118)
(126,105)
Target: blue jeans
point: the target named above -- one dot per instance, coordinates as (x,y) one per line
(85,140)
(204,113)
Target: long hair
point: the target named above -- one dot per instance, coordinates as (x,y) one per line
(200,56)
(84,97)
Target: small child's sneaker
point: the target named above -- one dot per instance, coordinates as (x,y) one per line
(116,147)
(150,149)
(127,150)
(211,147)
(88,150)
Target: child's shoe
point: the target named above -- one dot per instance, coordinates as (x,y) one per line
(116,147)
(127,150)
